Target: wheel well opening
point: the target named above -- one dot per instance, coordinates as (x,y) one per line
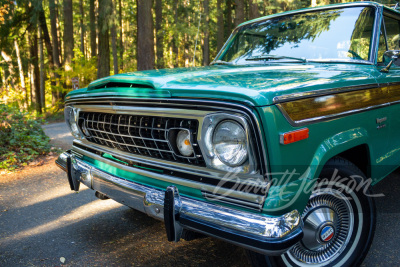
(359,156)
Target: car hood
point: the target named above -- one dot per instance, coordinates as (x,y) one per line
(255,85)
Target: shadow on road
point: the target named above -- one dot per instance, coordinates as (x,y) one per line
(41,220)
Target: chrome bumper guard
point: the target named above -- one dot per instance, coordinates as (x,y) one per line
(260,233)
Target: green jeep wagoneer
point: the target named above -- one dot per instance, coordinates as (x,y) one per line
(275,147)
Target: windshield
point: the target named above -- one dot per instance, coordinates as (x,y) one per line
(327,35)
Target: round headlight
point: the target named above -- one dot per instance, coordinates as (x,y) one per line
(70,117)
(183,143)
(230,143)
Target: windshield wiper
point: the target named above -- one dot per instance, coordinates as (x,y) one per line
(267,57)
(221,62)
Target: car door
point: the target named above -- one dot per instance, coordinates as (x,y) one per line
(390,82)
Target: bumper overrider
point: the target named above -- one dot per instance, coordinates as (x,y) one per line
(264,234)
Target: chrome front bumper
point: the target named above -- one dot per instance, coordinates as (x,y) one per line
(263,234)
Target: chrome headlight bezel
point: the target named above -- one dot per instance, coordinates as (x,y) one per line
(71,119)
(210,123)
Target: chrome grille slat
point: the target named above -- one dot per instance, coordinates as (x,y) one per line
(119,124)
(128,136)
(116,124)
(138,134)
(152,136)
(147,148)
(129,132)
(166,127)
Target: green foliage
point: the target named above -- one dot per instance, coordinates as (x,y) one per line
(21,138)
(84,69)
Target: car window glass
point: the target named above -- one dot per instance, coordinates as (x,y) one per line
(392,33)
(392,27)
(335,34)
(382,46)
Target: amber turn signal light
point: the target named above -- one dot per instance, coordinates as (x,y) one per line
(294,136)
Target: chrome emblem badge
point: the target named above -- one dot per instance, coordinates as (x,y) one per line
(327,233)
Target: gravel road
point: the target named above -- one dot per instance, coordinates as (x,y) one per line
(42,223)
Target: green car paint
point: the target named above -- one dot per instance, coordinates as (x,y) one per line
(253,85)
(257,86)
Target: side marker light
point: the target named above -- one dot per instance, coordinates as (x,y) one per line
(294,136)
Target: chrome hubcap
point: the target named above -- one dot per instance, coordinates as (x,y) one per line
(319,227)
(328,224)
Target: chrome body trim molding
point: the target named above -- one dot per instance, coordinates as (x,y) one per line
(271,235)
(392,96)
(328,117)
(318,93)
(143,111)
(231,200)
(180,181)
(170,165)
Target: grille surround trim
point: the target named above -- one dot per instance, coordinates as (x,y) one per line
(198,108)
(174,110)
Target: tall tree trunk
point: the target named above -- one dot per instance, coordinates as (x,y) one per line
(82,28)
(59,33)
(186,47)
(239,12)
(254,12)
(206,46)
(52,49)
(55,93)
(92,17)
(175,49)
(68,40)
(114,39)
(121,43)
(21,74)
(43,33)
(7,58)
(220,25)
(35,89)
(159,35)
(3,87)
(103,62)
(42,71)
(313,3)
(145,36)
(229,17)
(28,55)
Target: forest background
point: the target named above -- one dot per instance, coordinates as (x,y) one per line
(46,44)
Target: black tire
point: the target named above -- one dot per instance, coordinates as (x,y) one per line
(352,222)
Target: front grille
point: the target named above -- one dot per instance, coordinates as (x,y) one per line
(139,135)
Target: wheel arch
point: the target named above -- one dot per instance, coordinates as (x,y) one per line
(359,156)
(351,145)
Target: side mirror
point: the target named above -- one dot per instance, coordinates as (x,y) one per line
(390,56)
